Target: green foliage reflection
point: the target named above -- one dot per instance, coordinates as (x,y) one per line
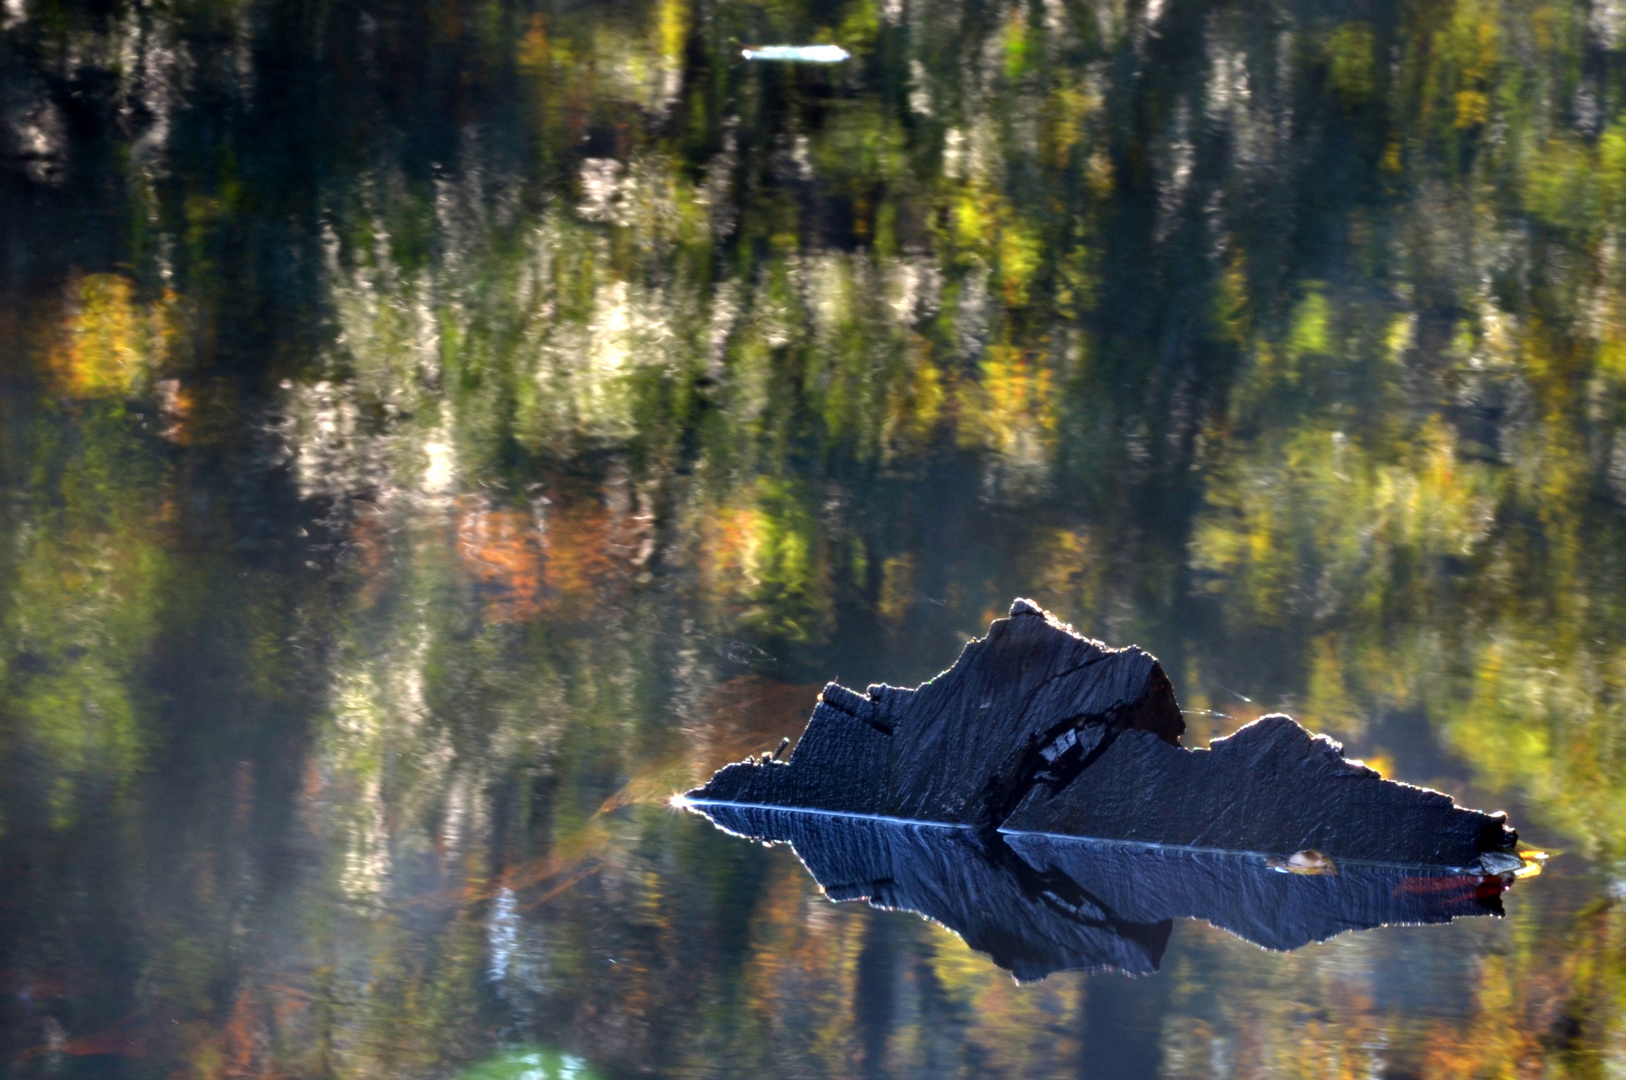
(527,1064)
(435,433)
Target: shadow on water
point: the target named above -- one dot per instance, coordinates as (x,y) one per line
(1041,904)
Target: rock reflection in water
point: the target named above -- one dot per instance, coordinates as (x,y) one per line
(1042,904)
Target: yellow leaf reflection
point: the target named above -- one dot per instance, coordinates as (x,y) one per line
(109,342)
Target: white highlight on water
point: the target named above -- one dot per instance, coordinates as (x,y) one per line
(503,935)
(810,54)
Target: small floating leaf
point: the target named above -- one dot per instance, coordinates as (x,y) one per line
(1309,861)
(1534,861)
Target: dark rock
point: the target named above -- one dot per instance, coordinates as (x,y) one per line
(1243,894)
(964,878)
(1036,729)
(1040,904)
(1035,798)
(1273,788)
(1031,700)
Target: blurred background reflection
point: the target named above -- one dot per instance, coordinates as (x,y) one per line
(433,432)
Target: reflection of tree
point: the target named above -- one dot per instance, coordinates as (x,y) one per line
(87,559)
(611,375)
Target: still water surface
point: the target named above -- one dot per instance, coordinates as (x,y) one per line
(433,432)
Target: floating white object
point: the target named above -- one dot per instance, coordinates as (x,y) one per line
(811,54)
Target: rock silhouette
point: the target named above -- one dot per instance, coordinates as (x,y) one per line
(1037,730)
(1030,701)
(1039,904)
(961,877)
(1271,787)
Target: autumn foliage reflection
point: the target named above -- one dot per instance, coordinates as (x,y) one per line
(432,436)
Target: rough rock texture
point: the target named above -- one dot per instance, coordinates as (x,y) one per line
(1029,700)
(961,877)
(1271,787)
(1040,904)
(1035,729)
(1241,893)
